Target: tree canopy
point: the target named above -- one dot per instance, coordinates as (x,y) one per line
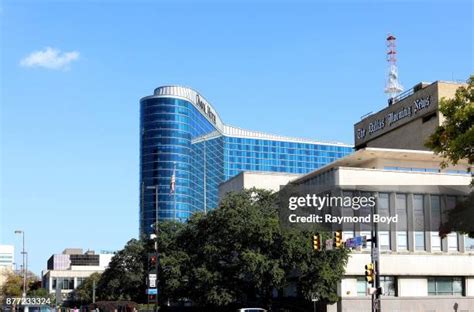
(237,253)
(454,138)
(124,279)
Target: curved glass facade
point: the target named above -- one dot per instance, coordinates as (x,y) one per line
(181,135)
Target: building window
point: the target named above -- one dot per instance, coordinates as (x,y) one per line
(347,234)
(389,285)
(361,287)
(384,238)
(435,222)
(80,280)
(402,225)
(383,209)
(452,242)
(435,241)
(445,286)
(65,283)
(419,222)
(468,243)
(419,241)
(402,241)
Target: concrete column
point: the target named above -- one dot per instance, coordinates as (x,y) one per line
(393,226)
(461,247)
(427,209)
(410,223)
(443,207)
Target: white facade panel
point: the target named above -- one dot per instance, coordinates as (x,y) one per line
(412,287)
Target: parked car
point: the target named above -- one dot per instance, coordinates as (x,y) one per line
(251,310)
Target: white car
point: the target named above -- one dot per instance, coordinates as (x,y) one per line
(251,310)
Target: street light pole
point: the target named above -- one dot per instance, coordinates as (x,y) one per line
(24,266)
(156,240)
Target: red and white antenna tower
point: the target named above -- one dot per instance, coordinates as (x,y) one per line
(393,85)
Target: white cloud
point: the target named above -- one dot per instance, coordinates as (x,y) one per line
(50,58)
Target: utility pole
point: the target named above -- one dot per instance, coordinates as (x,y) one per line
(375,259)
(24,265)
(156,242)
(377,264)
(93,291)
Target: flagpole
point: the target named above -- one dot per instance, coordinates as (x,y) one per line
(174,190)
(205,182)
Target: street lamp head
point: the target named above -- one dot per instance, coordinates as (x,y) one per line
(18,231)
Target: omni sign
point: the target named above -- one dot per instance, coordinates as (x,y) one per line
(205,109)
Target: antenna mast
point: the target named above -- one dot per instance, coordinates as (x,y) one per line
(393,85)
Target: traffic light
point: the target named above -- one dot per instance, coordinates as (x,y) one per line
(152,260)
(369,273)
(317,242)
(338,239)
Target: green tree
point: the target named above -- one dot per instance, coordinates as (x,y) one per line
(13,286)
(454,138)
(173,262)
(234,250)
(237,253)
(125,276)
(83,293)
(240,253)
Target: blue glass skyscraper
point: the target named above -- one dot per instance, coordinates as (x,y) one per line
(181,134)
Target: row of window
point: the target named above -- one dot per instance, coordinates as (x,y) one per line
(433,170)
(286,150)
(420,238)
(437,286)
(424,225)
(287,144)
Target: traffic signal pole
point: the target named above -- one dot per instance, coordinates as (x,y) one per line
(156,244)
(375,257)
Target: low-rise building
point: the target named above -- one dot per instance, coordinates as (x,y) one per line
(248,179)
(7,260)
(66,271)
(419,270)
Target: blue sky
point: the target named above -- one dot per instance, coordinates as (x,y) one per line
(69,115)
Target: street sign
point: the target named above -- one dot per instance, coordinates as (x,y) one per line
(152,280)
(356,242)
(329,244)
(152,291)
(376,254)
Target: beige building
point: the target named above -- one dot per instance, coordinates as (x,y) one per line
(420,272)
(408,120)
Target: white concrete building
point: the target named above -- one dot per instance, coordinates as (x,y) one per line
(7,260)
(66,271)
(248,179)
(419,271)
